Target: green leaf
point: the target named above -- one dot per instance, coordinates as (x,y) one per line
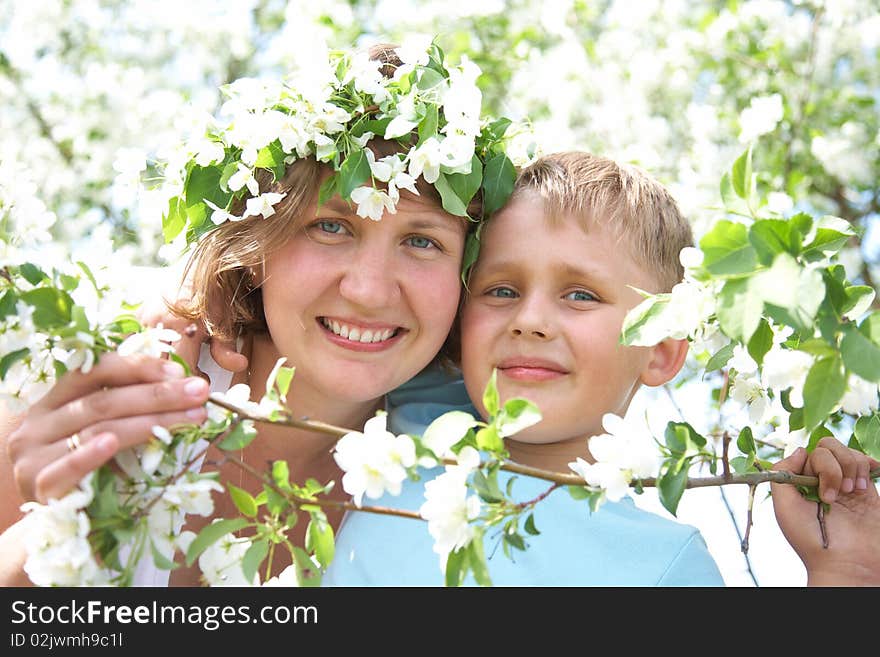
(328,189)
(832,233)
(741,174)
(530,525)
(825,385)
(746,442)
(860,355)
(240,437)
(272,157)
(682,439)
(243,501)
(275,502)
(794,292)
(739,309)
(743,464)
(727,249)
(672,483)
(281,475)
(451,425)
(174,219)
(319,539)
(578,492)
(719,358)
(517,414)
(490,395)
(487,487)
(471,253)
(639,328)
(51,307)
(428,125)
(731,201)
(858,300)
(498,181)
(770,237)
(32,274)
(8,301)
(353,172)
(253,557)
(867,432)
(497,128)
(429,78)
(11,359)
(466,185)
(160,560)
(456,566)
(489,440)
(870,327)
(451,202)
(477,560)
(816,435)
(210,534)
(204,183)
(761,341)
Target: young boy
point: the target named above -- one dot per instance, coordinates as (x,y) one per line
(546,302)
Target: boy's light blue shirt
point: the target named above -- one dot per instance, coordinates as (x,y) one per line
(619,545)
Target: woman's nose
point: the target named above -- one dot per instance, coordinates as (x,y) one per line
(370,280)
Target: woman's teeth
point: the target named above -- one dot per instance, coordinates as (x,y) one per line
(356,334)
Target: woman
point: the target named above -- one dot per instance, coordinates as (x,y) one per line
(357,306)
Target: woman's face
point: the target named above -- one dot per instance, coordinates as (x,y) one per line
(359,306)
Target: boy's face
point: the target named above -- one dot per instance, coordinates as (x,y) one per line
(546,305)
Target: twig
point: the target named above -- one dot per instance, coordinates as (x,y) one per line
(348,506)
(744,546)
(527,504)
(738,534)
(751,478)
(725,461)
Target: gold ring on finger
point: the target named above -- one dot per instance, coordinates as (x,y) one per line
(73,443)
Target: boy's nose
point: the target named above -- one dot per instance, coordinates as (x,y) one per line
(532,321)
(369,280)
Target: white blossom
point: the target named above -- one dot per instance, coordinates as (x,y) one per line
(372,202)
(760,117)
(220,563)
(263,205)
(860,397)
(449,510)
(153,341)
(374,461)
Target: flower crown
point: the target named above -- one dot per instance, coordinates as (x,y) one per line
(330,109)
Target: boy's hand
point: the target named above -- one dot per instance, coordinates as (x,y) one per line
(852,523)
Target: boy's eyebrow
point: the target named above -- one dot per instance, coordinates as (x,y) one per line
(567,270)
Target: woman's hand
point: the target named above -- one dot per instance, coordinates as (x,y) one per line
(852,524)
(111,408)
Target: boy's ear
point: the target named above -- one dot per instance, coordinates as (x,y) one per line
(665,361)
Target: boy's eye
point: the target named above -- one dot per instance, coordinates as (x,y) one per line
(502,292)
(580,295)
(421,242)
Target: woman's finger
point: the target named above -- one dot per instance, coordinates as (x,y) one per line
(112,370)
(113,404)
(60,476)
(226,356)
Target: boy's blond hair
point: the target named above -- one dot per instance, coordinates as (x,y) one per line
(626,198)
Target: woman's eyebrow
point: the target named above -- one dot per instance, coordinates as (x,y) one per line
(428,224)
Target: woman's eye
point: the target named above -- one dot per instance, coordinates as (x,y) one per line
(333,227)
(502,293)
(580,295)
(420,242)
